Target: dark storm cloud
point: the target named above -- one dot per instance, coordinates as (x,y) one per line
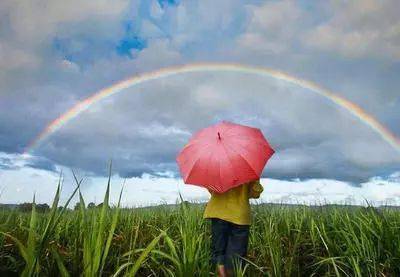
(7,163)
(143,129)
(41,163)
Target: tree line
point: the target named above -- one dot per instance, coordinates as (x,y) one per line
(41,208)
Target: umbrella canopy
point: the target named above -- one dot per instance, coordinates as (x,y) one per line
(224,156)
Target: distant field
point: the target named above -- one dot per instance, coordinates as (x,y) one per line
(175,241)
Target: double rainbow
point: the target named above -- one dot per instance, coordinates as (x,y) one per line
(85,104)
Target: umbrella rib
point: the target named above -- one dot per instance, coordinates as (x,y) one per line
(226,131)
(230,163)
(191,169)
(190,144)
(219,173)
(194,164)
(214,186)
(240,155)
(207,168)
(234,127)
(258,141)
(268,150)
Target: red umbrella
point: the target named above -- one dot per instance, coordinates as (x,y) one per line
(224,156)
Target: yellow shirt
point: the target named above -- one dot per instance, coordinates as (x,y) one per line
(233,205)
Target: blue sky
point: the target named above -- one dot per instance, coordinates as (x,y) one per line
(51,60)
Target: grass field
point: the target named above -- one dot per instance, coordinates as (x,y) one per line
(175,241)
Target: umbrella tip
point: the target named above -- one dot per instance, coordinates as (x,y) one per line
(219,136)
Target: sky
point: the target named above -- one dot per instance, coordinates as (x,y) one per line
(54,54)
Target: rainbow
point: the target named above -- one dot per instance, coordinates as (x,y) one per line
(214,67)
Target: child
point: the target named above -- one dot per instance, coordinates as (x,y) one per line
(230,217)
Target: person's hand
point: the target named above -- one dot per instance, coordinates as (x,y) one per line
(255,189)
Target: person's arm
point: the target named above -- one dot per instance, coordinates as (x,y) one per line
(255,189)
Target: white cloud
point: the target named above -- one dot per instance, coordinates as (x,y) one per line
(158,53)
(18,186)
(353,29)
(359,29)
(12,58)
(272,27)
(156,129)
(202,23)
(321,191)
(28,30)
(69,66)
(155,9)
(29,23)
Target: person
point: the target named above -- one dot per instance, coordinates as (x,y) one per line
(230,216)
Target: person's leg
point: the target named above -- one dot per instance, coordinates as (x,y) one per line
(219,240)
(237,246)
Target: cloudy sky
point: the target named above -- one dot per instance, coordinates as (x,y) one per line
(54,54)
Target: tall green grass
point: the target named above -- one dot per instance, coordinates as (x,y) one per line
(175,240)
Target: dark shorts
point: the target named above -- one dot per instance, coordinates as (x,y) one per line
(229,242)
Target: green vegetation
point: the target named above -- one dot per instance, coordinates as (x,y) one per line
(175,241)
